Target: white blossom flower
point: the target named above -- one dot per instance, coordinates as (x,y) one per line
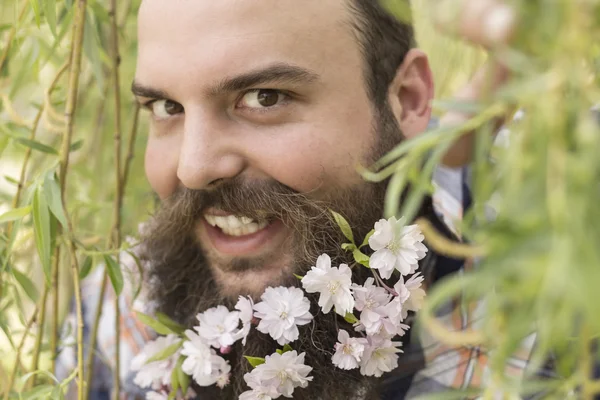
(333,284)
(199,361)
(259,389)
(380,356)
(158,373)
(417,294)
(348,351)
(281,311)
(244,306)
(370,301)
(217,326)
(285,372)
(157,396)
(396,247)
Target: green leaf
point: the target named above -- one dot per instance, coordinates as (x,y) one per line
(166,352)
(11,180)
(182,377)
(15,214)
(287,348)
(351,318)
(58,393)
(158,327)
(348,247)
(279,351)
(26,284)
(43,230)
(86,267)
(344,226)
(32,144)
(299,276)
(255,361)
(76,146)
(35,4)
(169,323)
(361,258)
(366,241)
(114,273)
(39,392)
(50,11)
(54,199)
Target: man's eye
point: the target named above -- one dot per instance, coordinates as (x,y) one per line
(163,109)
(262,98)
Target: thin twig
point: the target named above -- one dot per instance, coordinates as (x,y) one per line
(445,246)
(13,32)
(94,336)
(118,205)
(13,373)
(71,103)
(39,337)
(55,307)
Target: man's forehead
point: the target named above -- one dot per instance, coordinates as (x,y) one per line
(231,36)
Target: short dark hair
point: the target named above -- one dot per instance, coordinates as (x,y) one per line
(385,40)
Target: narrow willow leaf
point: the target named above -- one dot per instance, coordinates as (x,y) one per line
(54,199)
(344,226)
(11,180)
(58,393)
(182,377)
(174,382)
(158,327)
(348,247)
(168,322)
(76,145)
(50,11)
(91,47)
(35,4)
(27,285)
(361,258)
(299,276)
(165,353)
(37,146)
(15,214)
(39,392)
(366,241)
(351,318)
(255,361)
(86,267)
(114,273)
(42,229)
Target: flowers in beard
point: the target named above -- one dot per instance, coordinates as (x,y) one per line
(153,370)
(281,311)
(333,284)
(397,247)
(380,304)
(279,375)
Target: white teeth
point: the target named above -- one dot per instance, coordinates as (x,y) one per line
(235,226)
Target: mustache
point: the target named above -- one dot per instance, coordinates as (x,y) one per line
(258,200)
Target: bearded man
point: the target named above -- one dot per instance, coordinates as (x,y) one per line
(260,112)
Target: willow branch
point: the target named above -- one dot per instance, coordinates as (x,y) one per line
(13,32)
(39,337)
(70,108)
(55,307)
(15,368)
(118,204)
(131,146)
(94,336)
(447,247)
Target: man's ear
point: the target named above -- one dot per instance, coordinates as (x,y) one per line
(411,92)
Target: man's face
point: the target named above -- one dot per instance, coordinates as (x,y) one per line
(253,91)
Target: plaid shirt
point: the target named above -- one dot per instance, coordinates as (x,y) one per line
(441,367)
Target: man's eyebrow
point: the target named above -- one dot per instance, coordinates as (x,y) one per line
(145,91)
(280,73)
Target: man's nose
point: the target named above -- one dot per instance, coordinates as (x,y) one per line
(208,154)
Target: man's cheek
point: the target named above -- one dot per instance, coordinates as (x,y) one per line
(161,167)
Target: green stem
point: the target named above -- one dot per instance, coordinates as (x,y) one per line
(13,32)
(71,102)
(13,373)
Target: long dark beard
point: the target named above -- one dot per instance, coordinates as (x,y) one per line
(182,284)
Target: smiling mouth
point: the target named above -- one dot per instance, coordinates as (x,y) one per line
(241,236)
